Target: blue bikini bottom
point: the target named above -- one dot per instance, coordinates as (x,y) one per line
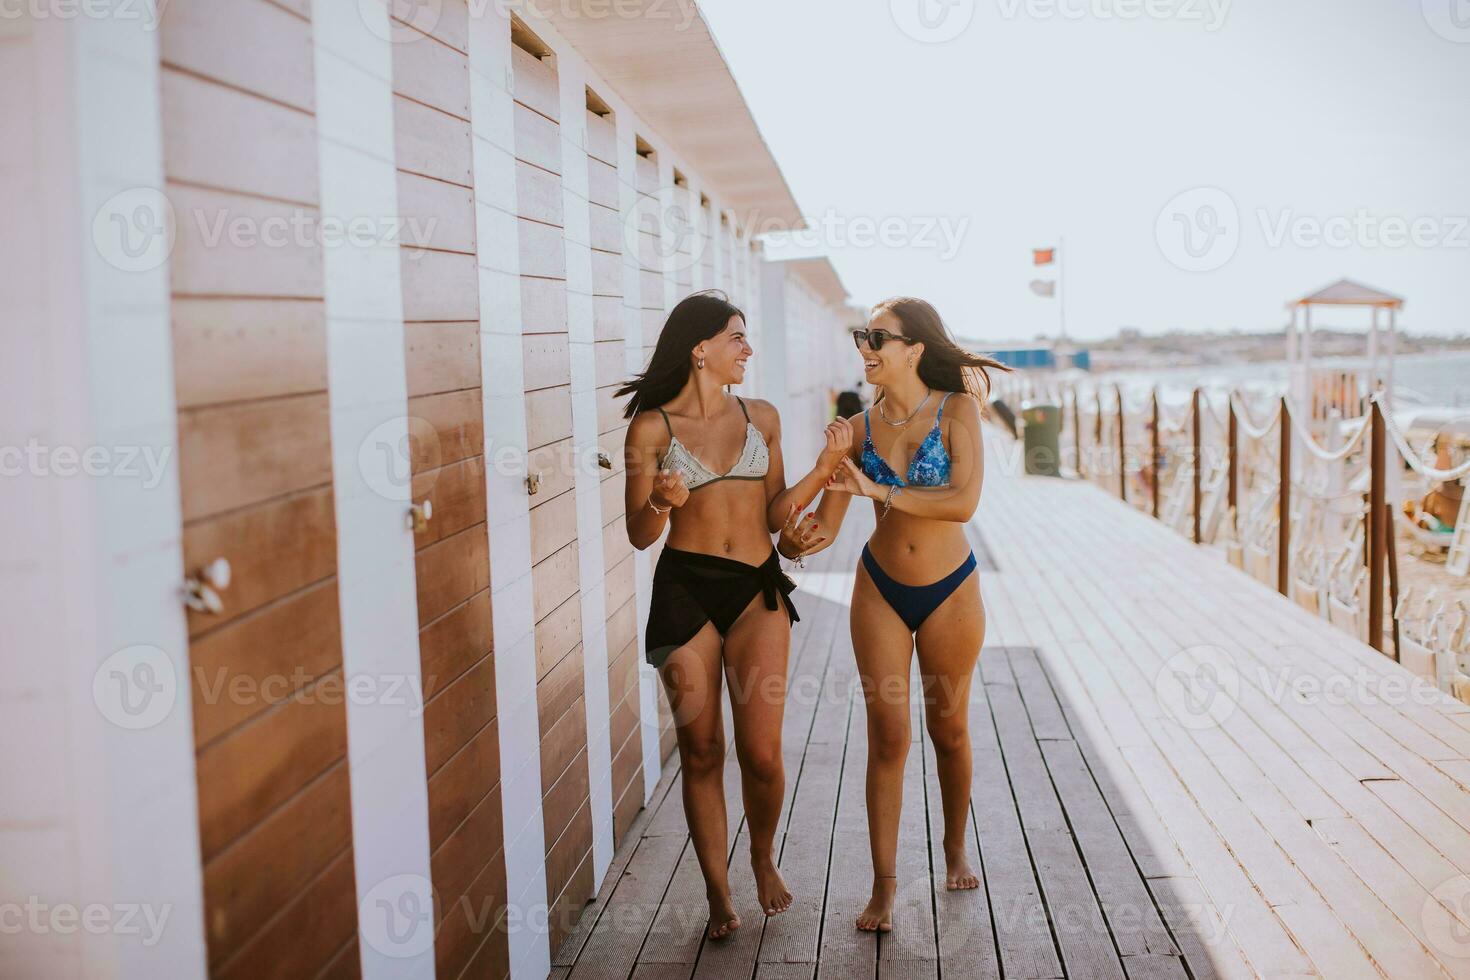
(914,603)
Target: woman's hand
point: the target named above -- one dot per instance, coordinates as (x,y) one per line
(669,490)
(839,443)
(799,538)
(850,479)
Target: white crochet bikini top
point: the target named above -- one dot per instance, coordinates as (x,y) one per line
(754,459)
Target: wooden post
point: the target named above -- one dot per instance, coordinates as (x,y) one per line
(1077,430)
(1194,411)
(1377,510)
(1097,445)
(1153,463)
(1232,440)
(1393,577)
(1122,456)
(1283,503)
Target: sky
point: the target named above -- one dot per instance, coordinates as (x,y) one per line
(1204,161)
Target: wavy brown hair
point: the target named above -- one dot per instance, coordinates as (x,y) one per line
(945,365)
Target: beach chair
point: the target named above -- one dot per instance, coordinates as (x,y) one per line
(1174,512)
(1459,685)
(1431,634)
(1344,608)
(1347,585)
(1425,542)
(1260,557)
(1451,654)
(1233,542)
(1417,658)
(1307,595)
(1213,495)
(1308,574)
(1457,560)
(1258,512)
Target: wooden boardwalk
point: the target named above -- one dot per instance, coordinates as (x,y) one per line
(1178,773)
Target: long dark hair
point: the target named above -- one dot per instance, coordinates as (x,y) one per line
(697,317)
(945,366)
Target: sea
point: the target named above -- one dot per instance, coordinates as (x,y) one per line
(1434,378)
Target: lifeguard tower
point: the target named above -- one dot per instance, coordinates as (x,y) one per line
(1326,393)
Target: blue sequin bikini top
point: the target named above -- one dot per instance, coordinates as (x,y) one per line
(928,468)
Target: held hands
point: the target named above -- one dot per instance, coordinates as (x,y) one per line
(839,442)
(848,478)
(668,490)
(798,538)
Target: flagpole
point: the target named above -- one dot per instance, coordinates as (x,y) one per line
(1061,288)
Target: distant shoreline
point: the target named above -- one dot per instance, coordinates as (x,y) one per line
(1426,378)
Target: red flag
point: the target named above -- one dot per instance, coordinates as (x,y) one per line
(1043,256)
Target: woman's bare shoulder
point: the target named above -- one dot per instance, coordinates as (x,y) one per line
(646,429)
(764,415)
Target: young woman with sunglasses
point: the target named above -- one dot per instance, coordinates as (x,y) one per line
(916,581)
(707,465)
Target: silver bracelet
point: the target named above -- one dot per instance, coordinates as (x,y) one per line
(893,489)
(654,507)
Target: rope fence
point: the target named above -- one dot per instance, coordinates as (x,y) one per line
(1210,483)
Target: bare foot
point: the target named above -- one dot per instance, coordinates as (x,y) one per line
(878,916)
(770,887)
(958,875)
(722,917)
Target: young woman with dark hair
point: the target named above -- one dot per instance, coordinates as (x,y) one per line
(707,465)
(916,580)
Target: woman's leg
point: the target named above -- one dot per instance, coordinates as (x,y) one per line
(883,646)
(756,651)
(691,677)
(949,645)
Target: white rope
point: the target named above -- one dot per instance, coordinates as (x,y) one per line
(1134,408)
(1174,423)
(1330,457)
(1248,424)
(1220,419)
(1410,456)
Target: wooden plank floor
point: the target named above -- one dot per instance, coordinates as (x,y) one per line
(1178,773)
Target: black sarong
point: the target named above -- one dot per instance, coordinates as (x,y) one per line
(691,589)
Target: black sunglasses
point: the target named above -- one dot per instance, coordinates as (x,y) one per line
(877,338)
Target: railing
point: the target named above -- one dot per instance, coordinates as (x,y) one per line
(1244,464)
